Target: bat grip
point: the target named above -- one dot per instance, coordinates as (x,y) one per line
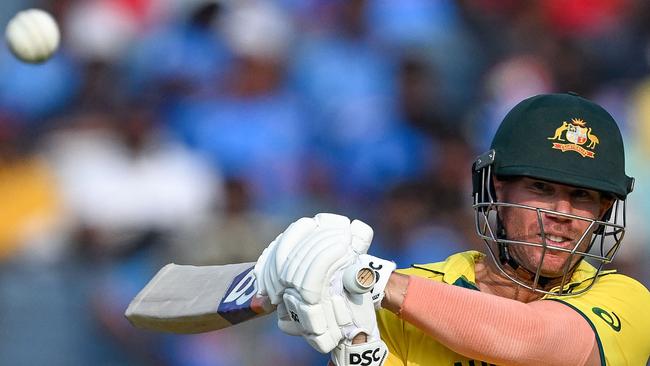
(359,279)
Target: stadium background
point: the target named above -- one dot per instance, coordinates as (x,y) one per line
(194,131)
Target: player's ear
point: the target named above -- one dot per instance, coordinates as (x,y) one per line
(499,185)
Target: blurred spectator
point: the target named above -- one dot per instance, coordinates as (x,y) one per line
(185,55)
(507,82)
(426,220)
(436,29)
(414,227)
(419,99)
(30,218)
(122,178)
(348,88)
(101,29)
(412,22)
(232,233)
(129,189)
(254,129)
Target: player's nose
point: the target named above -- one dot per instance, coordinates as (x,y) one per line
(563,206)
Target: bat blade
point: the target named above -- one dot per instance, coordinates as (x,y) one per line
(196,299)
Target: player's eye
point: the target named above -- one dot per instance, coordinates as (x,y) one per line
(583,195)
(541,187)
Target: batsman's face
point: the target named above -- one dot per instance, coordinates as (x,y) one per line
(560,231)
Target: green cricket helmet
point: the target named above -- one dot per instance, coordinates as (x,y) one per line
(560,138)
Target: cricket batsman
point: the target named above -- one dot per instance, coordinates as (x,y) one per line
(549,202)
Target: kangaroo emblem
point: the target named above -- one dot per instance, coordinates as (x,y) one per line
(558,132)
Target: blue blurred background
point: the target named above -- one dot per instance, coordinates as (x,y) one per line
(194,131)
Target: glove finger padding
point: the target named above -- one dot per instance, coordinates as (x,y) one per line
(259,272)
(319,240)
(293,236)
(275,255)
(338,316)
(316,269)
(310,259)
(270,277)
(316,258)
(355,314)
(286,323)
(362,235)
(264,286)
(330,220)
(317,323)
(330,246)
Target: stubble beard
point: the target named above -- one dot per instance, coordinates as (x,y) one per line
(554,262)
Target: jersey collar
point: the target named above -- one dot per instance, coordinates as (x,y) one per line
(458,269)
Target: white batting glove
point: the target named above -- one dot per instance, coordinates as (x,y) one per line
(308,264)
(307,274)
(269,264)
(271,289)
(339,306)
(324,236)
(362,318)
(340,315)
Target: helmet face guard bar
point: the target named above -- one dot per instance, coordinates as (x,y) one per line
(603,237)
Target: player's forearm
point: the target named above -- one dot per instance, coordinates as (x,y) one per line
(491,328)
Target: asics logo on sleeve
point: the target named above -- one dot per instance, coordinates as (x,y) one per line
(612,321)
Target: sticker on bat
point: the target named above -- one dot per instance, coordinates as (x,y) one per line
(236,305)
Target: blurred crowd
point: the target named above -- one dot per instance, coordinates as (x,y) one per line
(194,131)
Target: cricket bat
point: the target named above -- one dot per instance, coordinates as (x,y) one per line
(195,299)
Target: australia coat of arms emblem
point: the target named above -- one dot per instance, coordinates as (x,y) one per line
(575,134)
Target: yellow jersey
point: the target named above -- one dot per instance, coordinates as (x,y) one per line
(617,307)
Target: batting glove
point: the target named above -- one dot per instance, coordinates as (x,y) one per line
(340,314)
(286,261)
(270,263)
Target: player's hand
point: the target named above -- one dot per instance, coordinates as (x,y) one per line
(265,285)
(308,262)
(331,238)
(322,310)
(340,315)
(332,233)
(269,264)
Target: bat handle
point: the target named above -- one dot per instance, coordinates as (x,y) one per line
(359,279)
